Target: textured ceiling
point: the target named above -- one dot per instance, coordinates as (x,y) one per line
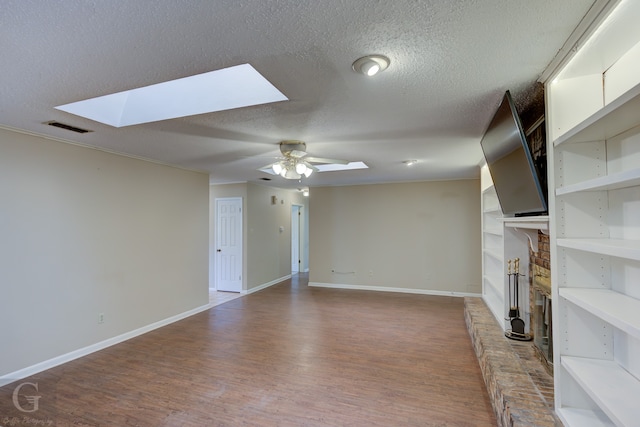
(451,62)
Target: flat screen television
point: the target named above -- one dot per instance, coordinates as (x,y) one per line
(510,164)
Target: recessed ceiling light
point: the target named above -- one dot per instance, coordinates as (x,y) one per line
(371,65)
(225,89)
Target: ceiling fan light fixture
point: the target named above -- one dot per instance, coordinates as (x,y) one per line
(371,65)
(301,168)
(296,164)
(291,174)
(308,172)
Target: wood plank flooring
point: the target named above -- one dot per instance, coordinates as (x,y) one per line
(289,355)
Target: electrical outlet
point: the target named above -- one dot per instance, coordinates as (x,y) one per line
(100,317)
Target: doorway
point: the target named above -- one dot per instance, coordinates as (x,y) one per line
(228,244)
(296,252)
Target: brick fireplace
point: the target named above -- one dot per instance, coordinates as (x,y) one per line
(519,374)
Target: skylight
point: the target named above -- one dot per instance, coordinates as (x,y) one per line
(337,167)
(226,89)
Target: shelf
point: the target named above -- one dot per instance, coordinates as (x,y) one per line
(493,230)
(593,113)
(621,311)
(583,418)
(529,225)
(540,222)
(496,306)
(628,249)
(616,181)
(492,210)
(496,288)
(493,253)
(611,120)
(613,389)
(491,190)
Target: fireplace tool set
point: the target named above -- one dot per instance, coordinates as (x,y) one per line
(517,324)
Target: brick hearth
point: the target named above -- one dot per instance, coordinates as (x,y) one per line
(520,388)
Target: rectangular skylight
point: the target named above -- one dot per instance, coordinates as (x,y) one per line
(226,89)
(337,167)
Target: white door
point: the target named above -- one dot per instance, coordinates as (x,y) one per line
(228,256)
(295,239)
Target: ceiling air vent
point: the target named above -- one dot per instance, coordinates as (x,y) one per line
(68,127)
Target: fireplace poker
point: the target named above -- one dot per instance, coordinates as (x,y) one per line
(517,324)
(512,307)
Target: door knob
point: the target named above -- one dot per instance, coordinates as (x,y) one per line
(218,250)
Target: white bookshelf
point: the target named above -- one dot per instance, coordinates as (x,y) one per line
(615,181)
(493,266)
(593,111)
(619,310)
(584,418)
(528,222)
(627,249)
(609,385)
(504,238)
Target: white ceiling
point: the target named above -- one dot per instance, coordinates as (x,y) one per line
(451,61)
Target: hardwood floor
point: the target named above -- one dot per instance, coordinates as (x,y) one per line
(220,297)
(289,355)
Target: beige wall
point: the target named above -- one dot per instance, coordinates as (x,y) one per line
(416,236)
(86,232)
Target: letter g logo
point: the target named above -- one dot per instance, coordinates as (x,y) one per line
(33,400)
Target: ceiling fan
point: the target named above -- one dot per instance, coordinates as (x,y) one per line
(295,161)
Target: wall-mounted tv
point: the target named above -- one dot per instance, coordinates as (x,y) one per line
(510,164)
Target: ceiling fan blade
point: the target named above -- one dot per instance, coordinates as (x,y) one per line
(324,160)
(269,166)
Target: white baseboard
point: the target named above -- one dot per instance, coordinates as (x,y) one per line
(266,285)
(388,289)
(68,357)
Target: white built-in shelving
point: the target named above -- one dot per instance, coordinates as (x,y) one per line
(593,112)
(619,310)
(528,222)
(628,249)
(615,181)
(493,267)
(609,385)
(504,238)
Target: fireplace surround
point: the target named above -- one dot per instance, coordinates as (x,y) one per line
(541,316)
